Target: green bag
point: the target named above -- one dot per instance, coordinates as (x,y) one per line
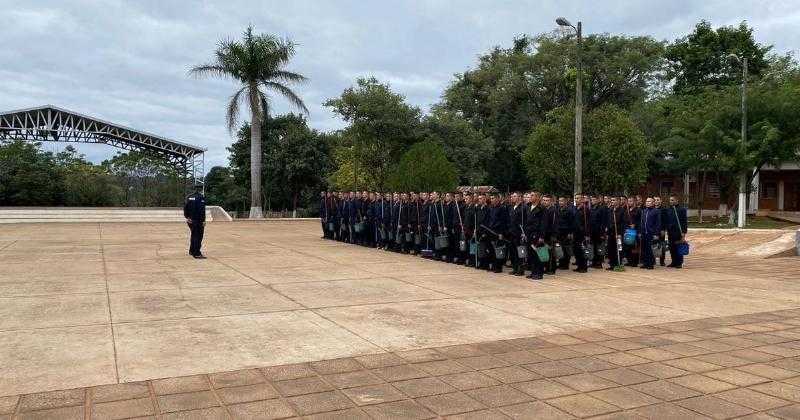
(543,252)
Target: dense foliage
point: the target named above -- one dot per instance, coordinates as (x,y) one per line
(650,107)
(30,176)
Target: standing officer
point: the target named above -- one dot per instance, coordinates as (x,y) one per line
(632,252)
(662,236)
(650,228)
(195,213)
(323,214)
(497,224)
(676,229)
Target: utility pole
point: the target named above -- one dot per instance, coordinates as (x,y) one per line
(578,186)
(741,219)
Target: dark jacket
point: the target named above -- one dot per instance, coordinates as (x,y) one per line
(582,225)
(533,222)
(516,220)
(598,218)
(617,221)
(650,221)
(497,220)
(566,218)
(676,221)
(550,221)
(481,217)
(469,218)
(195,207)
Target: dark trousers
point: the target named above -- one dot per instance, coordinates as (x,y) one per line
(196,228)
(516,261)
(632,253)
(664,247)
(563,239)
(534,264)
(677,259)
(648,259)
(597,242)
(580,256)
(551,265)
(613,253)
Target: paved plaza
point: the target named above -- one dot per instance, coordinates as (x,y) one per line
(119,322)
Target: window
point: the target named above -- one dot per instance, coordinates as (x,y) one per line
(713,190)
(769,190)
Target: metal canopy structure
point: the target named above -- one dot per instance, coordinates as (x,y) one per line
(50,123)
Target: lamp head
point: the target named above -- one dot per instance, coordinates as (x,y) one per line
(732,57)
(562,22)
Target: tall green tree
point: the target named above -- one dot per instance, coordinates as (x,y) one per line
(424,167)
(615,153)
(296,160)
(381,126)
(28,176)
(700,59)
(511,90)
(258,63)
(465,146)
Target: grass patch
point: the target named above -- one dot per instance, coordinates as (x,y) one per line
(753,222)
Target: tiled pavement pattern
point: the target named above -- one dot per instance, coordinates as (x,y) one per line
(744,366)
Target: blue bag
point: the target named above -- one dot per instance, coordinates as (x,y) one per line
(630,236)
(682,248)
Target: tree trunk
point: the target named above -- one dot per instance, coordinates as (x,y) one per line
(294,205)
(256,211)
(702,197)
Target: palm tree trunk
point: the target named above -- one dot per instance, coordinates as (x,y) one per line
(256,211)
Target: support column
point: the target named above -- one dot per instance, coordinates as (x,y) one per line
(752,208)
(780,195)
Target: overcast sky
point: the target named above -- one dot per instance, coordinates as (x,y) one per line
(127,61)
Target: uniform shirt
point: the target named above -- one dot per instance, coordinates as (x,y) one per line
(195,207)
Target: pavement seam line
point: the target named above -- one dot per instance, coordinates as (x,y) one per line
(108,302)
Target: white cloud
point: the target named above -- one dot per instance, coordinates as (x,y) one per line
(126,61)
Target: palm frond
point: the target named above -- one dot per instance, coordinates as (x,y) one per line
(287,93)
(289,76)
(206,70)
(232,116)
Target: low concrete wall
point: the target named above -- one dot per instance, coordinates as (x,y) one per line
(102,214)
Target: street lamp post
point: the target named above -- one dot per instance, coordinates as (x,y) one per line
(740,222)
(578,108)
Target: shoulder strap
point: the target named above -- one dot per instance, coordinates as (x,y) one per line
(677,219)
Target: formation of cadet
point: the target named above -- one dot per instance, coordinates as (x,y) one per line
(534,232)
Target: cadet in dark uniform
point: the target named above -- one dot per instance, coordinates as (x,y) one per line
(497,225)
(566,217)
(469,229)
(516,233)
(598,234)
(535,234)
(457,223)
(616,223)
(676,230)
(550,231)
(481,234)
(650,228)
(662,236)
(323,214)
(582,234)
(195,213)
(632,251)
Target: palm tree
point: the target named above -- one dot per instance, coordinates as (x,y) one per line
(257,62)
